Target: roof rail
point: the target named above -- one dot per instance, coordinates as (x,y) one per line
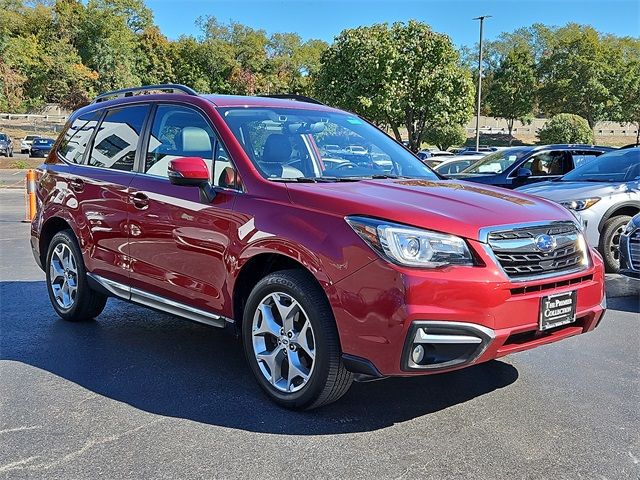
(298,98)
(129,92)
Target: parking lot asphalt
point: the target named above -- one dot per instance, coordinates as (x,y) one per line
(139,394)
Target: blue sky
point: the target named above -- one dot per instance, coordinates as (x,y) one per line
(325,19)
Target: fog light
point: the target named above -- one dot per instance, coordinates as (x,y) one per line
(418,354)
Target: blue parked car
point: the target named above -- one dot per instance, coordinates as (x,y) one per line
(518,166)
(40,147)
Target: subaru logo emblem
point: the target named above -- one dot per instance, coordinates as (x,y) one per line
(545,243)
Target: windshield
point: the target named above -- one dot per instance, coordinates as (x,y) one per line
(307,145)
(3,137)
(616,166)
(42,141)
(497,162)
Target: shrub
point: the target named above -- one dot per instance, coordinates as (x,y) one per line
(445,136)
(566,128)
(21,164)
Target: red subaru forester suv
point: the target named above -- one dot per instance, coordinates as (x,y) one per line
(333,252)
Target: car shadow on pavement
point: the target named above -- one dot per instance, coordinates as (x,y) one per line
(173,367)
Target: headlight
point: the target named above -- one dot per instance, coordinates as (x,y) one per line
(410,246)
(581,204)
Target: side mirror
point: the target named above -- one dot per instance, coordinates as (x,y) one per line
(191,172)
(524,173)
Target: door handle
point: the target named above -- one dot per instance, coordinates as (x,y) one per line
(76,184)
(140,200)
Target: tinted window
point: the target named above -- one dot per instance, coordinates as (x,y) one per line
(582,158)
(117,138)
(3,137)
(77,137)
(616,166)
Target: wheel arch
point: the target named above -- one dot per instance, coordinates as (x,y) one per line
(629,208)
(50,227)
(256,268)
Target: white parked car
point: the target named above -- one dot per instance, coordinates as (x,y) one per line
(603,194)
(25,143)
(457,164)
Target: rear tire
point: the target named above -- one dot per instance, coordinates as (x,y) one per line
(295,356)
(69,292)
(610,242)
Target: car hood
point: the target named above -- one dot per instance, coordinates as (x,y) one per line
(458,208)
(561,191)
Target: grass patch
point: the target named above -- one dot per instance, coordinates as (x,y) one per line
(19,164)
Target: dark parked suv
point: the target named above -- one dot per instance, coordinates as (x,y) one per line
(518,166)
(221,210)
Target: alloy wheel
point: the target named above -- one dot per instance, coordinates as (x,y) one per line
(615,243)
(283,342)
(63,276)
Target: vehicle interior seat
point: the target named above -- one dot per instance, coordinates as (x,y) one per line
(275,156)
(190,142)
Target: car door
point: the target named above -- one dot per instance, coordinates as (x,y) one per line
(101,185)
(544,166)
(178,244)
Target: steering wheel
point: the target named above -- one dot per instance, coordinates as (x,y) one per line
(346,165)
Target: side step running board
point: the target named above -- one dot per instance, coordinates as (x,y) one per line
(157,302)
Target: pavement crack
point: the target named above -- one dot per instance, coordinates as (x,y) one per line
(20,429)
(21,465)
(17,465)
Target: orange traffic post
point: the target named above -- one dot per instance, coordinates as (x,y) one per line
(30,197)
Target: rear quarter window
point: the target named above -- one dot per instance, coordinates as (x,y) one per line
(76,138)
(117,139)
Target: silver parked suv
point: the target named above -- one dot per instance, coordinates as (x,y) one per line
(604,194)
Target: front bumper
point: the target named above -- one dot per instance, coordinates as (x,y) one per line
(380,308)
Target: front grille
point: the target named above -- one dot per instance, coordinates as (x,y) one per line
(519,256)
(634,249)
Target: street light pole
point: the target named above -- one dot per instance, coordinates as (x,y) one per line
(481,18)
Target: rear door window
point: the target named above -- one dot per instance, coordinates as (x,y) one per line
(117,139)
(76,138)
(582,158)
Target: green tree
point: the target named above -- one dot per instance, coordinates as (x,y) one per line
(445,136)
(577,75)
(566,128)
(512,92)
(153,57)
(405,75)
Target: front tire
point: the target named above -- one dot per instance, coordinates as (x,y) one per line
(610,242)
(291,341)
(69,292)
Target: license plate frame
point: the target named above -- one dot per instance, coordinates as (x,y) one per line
(553,310)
